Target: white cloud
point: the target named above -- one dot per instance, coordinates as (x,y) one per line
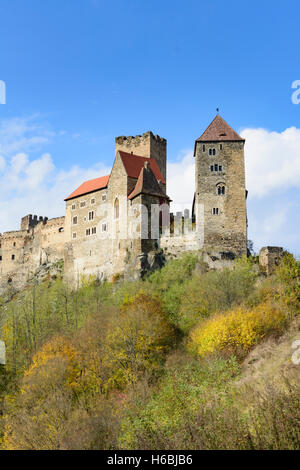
(33,185)
(181,181)
(22,134)
(272,160)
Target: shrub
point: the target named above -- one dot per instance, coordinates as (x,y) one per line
(138,338)
(237,331)
(288,275)
(215,291)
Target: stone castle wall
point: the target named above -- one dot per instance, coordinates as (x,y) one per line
(22,252)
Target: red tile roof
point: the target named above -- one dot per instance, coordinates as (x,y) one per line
(90,186)
(134,163)
(147,183)
(219,130)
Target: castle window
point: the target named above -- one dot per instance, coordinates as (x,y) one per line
(212,152)
(88,232)
(104,197)
(104,227)
(211,168)
(91,215)
(117,208)
(216,167)
(12,257)
(221,147)
(215,211)
(14,244)
(73,207)
(221,190)
(220,167)
(94,229)
(0,258)
(203,148)
(82,204)
(74,235)
(93,201)
(75,220)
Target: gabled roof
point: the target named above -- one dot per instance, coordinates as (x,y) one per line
(134,163)
(147,183)
(219,130)
(89,187)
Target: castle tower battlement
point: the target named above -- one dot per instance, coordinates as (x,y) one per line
(30,221)
(146,145)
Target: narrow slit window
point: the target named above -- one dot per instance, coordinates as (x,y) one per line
(117,208)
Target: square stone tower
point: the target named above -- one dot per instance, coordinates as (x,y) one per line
(220,199)
(146,145)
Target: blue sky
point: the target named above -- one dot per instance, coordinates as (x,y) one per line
(80,72)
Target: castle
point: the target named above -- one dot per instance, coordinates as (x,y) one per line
(119,223)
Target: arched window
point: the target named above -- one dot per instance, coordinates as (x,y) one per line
(220,189)
(117,208)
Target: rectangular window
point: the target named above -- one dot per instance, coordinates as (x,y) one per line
(12,257)
(203,148)
(75,220)
(221,147)
(0,258)
(88,232)
(82,204)
(74,235)
(104,227)
(104,197)
(211,168)
(216,167)
(94,229)
(220,167)
(73,207)
(93,201)
(215,211)
(91,215)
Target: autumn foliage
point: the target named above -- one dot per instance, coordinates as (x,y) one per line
(150,364)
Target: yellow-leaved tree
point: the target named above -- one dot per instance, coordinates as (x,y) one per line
(137,340)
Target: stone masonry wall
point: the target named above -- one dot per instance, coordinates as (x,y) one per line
(22,252)
(226,230)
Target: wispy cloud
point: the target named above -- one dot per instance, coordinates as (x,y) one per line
(33,185)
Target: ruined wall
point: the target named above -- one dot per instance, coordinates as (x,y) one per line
(269,258)
(22,252)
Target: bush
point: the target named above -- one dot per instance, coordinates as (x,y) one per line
(137,339)
(237,331)
(215,291)
(152,422)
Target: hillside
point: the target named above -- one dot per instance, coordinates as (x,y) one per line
(187,359)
